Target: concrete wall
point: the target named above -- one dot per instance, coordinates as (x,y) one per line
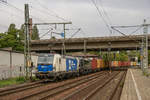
(12,64)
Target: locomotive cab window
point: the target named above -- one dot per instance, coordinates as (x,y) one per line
(45,59)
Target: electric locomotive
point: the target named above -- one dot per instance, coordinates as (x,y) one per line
(55,66)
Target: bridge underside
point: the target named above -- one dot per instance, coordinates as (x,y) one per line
(90,44)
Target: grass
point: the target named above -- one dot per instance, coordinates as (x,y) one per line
(34,79)
(145,73)
(12,81)
(121,84)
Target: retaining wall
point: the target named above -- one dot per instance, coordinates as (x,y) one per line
(12,64)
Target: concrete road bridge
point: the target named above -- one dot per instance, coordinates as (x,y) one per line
(91,43)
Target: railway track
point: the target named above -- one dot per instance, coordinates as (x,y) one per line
(20,88)
(101,85)
(98,93)
(84,94)
(116,94)
(22,92)
(51,92)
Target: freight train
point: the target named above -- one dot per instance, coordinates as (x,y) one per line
(55,66)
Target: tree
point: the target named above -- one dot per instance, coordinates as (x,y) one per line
(35,33)
(21,32)
(10,39)
(13,30)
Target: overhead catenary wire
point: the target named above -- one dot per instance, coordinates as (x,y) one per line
(101,15)
(6,11)
(56,15)
(46,33)
(75,33)
(136,30)
(105,12)
(48,11)
(125,35)
(22,11)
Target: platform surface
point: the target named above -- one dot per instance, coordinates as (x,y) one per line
(136,87)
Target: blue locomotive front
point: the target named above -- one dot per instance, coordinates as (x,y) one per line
(45,65)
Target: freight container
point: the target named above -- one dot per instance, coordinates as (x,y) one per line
(112,64)
(94,64)
(98,63)
(102,64)
(122,64)
(132,63)
(126,63)
(119,63)
(129,63)
(85,66)
(115,64)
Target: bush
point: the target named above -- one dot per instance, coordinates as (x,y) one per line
(21,79)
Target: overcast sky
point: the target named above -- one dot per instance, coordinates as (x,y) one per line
(82,13)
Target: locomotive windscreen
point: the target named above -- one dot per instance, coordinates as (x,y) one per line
(45,59)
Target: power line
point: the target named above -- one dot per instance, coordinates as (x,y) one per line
(48,14)
(21,11)
(114,28)
(75,33)
(46,33)
(101,15)
(105,12)
(136,30)
(48,11)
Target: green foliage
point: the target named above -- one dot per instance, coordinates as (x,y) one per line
(34,79)
(21,79)
(35,33)
(21,32)
(12,38)
(12,81)
(121,56)
(53,37)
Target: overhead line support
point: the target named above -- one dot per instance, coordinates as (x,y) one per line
(64,29)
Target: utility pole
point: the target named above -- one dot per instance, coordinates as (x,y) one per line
(85,43)
(30,28)
(109,55)
(64,39)
(145,45)
(27,61)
